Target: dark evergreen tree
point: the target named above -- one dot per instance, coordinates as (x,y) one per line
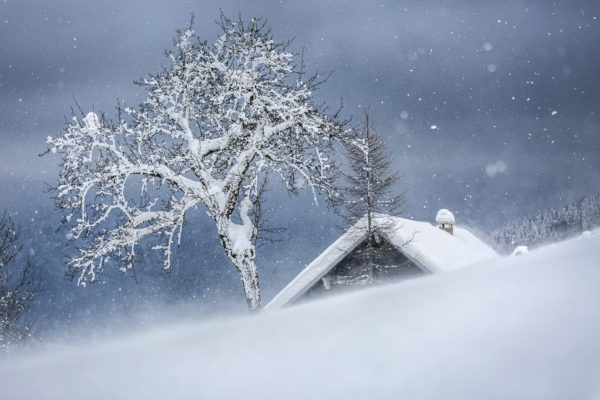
(370,190)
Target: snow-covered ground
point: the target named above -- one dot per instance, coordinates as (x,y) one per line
(524,327)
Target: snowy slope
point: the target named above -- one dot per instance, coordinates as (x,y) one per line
(520,328)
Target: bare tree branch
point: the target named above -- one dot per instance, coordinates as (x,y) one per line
(18,285)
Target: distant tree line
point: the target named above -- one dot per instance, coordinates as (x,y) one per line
(549,226)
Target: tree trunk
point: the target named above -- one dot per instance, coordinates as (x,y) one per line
(241,252)
(244,263)
(249,276)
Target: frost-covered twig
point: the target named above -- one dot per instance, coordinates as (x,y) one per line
(216,120)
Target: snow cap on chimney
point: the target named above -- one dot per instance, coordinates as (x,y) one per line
(445,220)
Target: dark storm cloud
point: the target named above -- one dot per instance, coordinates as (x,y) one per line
(455,86)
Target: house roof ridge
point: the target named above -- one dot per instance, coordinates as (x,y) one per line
(427,246)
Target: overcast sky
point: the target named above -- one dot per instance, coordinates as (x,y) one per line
(491,109)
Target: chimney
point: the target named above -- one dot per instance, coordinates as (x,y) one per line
(445,220)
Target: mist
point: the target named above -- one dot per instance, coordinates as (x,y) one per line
(518,327)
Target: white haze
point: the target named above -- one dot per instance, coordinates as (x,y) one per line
(525,327)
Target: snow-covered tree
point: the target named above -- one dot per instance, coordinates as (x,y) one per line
(216,120)
(371,187)
(18,285)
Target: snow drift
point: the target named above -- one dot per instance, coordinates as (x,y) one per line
(522,327)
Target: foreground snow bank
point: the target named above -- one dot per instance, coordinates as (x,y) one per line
(521,328)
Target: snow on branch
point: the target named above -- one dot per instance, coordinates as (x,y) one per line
(215,120)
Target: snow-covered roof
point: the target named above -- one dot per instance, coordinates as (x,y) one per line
(429,247)
(444,217)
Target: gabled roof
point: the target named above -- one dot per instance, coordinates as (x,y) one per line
(429,247)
